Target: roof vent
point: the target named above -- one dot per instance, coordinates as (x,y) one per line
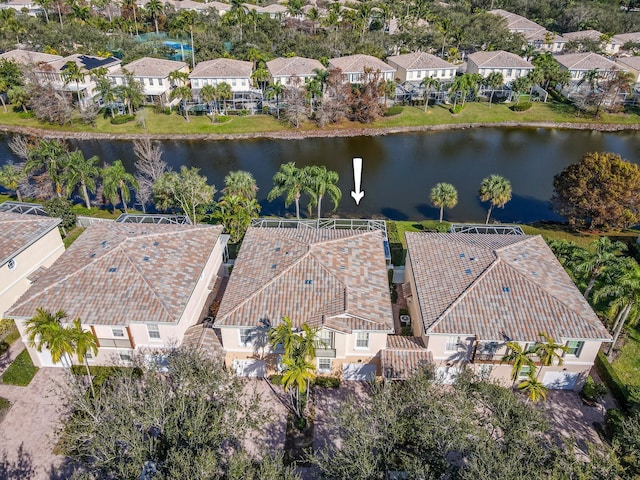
(146,258)
(92,255)
(112,269)
(535,274)
(308,282)
(468,271)
(342,267)
(274,265)
(462,255)
(506,289)
(472,259)
(277,249)
(155,244)
(104,243)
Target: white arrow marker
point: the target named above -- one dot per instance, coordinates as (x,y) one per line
(357,176)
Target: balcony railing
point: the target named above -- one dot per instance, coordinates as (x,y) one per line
(326,352)
(114,343)
(487,358)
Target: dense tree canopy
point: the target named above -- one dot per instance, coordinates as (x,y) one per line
(601,190)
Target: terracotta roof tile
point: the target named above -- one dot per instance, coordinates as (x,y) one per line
(357,64)
(293,66)
(498,59)
(585,61)
(222,68)
(419,61)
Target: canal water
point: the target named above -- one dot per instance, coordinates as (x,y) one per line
(398,170)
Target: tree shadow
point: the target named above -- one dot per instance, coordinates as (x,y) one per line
(63,471)
(393,214)
(428,211)
(523,209)
(20,468)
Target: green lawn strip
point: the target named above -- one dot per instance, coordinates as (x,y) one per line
(627,365)
(21,371)
(72,235)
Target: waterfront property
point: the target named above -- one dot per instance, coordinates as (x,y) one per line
(632,65)
(28,244)
(609,45)
(293,71)
(536,35)
(236,73)
(511,66)
(153,74)
(414,67)
(331,279)
(28,58)
(135,286)
(578,64)
(355,67)
(469,294)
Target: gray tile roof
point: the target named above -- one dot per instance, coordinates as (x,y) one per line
(516,22)
(150,67)
(119,273)
(298,66)
(335,278)
(498,59)
(496,287)
(85,62)
(20,231)
(627,37)
(204,338)
(222,68)
(357,64)
(585,61)
(403,356)
(588,34)
(629,62)
(419,61)
(27,57)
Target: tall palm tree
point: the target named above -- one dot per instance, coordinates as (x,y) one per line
(444,27)
(44,330)
(107,92)
(519,358)
(81,171)
(117,184)
(155,9)
(224,93)
(240,183)
(208,94)
(428,83)
(592,263)
(534,388)
(444,195)
(235,213)
(283,335)
(72,72)
(10,177)
(184,94)
(131,92)
(494,81)
(549,351)
(496,190)
(276,90)
(320,182)
(83,342)
(289,182)
(48,155)
(298,373)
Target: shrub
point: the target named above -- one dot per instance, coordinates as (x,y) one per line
(327,382)
(455,110)
(613,420)
(406,332)
(276,379)
(404,311)
(610,377)
(397,254)
(521,107)
(395,110)
(121,119)
(593,391)
(62,209)
(100,375)
(5,405)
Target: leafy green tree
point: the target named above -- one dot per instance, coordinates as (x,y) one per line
(82,343)
(519,358)
(81,172)
(50,156)
(183,93)
(10,177)
(322,182)
(117,184)
(600,191)
(443,195)
(19,97)
(186,190)
(240,183)
(61,208)
(235,212)
(534,388)
(496,190)
(72,72)
(131,92)
(289,182)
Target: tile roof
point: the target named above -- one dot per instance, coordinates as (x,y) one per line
(630,62)
(585,61)
(150,67)
(419,61)
(335,278)
(588,34)
(117,273)
(204,338)
(222,68)
(293,66)
(357,64)
(627,37)
(498,59)
(19,231)
(27,57)
(516,22)
(403,356)
(496,287)
(85,62)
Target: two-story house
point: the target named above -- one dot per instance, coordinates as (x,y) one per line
(355,67)
(236,73)
(511,66)
(414,67)
(535,35)
(28,243)
(293,71)
(470,294)
(578,64)
(610,45)
(331,279)
(135,286)
(28,58)
(82,89)
(153,74)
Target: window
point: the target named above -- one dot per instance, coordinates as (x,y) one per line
(246,337)
(452,344)
(154,331)
(325,339)
(11,264)
(362,340)
(117,332)
(575,347)
(324,365)
(524,372)
(125,356)
(151,82)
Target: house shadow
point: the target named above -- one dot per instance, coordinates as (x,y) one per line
(393,214)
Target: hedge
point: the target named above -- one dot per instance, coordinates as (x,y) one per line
(120,119)
(521,107)
(609,376)
(100,374)
(456,109)
(327,382)
(392,111)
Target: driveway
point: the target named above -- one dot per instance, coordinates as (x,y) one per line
(272,437)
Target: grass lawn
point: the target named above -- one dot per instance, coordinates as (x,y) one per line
(21,371)
(627,365)
(72,235)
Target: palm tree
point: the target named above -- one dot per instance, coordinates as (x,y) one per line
(44,330)
(444,195)
(519,358)
(81,171)
(154,7)
(73,73)
(592,263)
(590,77)
(289,182)
(208,94)
(444,27)
(533,387)
(117,184)
(178,77)
(321,181)
(493,81)
(240,183)
(107,92)
(549,351)
(4,87)
(224,93)
(283,335)
(235,213)
(427,83)
(275,90)
(83,342)
(298,373)
(185,95)
(496,190)
(10,177)
(131,92)
(49,155)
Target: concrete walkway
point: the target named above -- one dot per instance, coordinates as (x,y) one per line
(10,355)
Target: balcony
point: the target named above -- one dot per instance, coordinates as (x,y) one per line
(326,352)
(486,358)
(114,343)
